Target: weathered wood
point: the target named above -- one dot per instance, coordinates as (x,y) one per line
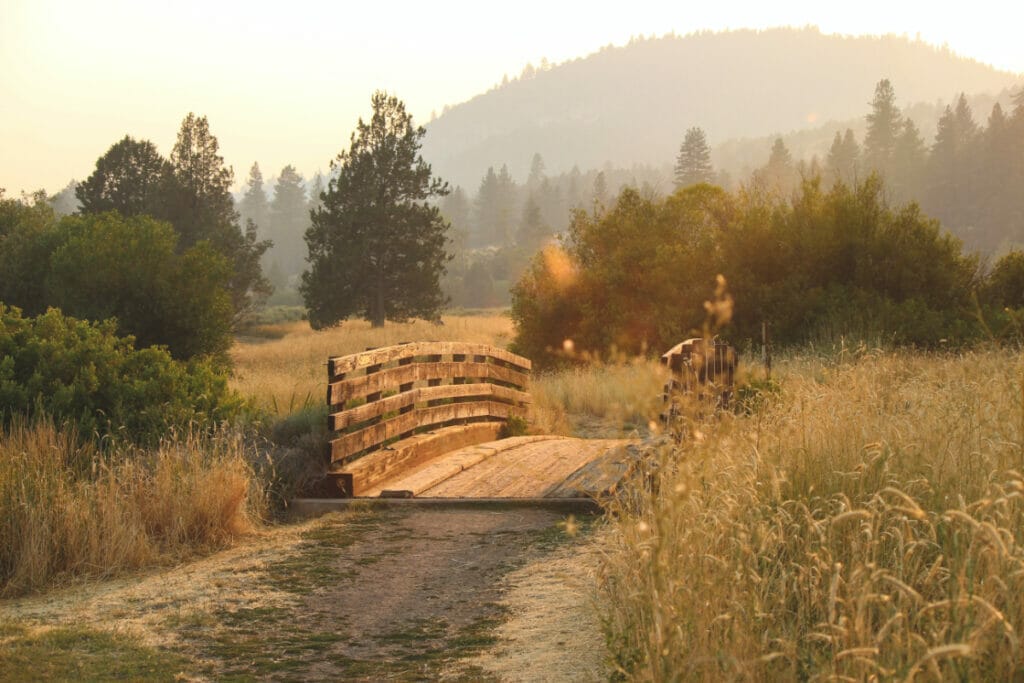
(345,364)
(424,477)
(411,397)
(367,473)
(359,387)
(460,392)
(355,442)
(534,469)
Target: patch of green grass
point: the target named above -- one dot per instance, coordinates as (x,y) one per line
(311,566)
(77,653)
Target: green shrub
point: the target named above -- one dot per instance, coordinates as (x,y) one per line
(85,374)
(101,266)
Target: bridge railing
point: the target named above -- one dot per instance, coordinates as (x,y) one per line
(404,404)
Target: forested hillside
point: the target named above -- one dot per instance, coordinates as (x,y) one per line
(633,104)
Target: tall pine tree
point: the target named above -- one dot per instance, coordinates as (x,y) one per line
(254,205)
(843,161)
(884,124)
(201,208)
(377,245)
(289,220)
(693,163)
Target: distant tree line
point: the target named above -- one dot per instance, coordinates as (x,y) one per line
(971,177)
(495,232)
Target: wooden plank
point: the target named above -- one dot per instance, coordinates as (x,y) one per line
(345,364)
(368,411)
(531,470)
(371,436)
(358,387)
(379,466)
(437,470)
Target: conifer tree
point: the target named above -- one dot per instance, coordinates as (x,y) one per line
(908,163)
(129,178)
(289,219)
(693,164)
(884,124)
(377,245)
(532,230)
(254,205)
(200,207)
(843,160)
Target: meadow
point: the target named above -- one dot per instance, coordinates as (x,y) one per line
(863,522)
(857,516)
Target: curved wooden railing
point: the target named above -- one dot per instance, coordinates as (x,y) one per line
(394,407)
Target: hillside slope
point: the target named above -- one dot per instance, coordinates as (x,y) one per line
(633,104)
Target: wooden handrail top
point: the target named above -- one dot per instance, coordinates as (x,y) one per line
(342,365)
(340,391)
(483,391)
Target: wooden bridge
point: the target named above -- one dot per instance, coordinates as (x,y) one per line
(425,420)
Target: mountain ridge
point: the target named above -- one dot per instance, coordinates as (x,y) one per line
(632,104)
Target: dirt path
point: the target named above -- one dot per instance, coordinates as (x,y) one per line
(409,594)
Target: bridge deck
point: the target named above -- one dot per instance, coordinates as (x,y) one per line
(519,467)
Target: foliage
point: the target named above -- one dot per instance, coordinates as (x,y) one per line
(130,178)
(818,266)
(377,246)
(202,208)
(191,191)
(99,266)
(84,374)
(113,267)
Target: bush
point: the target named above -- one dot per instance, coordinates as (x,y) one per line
(102,266)
(85,374)
(829,264)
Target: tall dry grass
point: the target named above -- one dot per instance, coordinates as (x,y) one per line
(285,368)
(867,524)
(600,398)
(67,509)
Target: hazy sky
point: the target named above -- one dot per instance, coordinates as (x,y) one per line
(285,82)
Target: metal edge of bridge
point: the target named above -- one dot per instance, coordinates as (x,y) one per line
(304,508)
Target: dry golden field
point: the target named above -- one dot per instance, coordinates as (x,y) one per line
(865,523)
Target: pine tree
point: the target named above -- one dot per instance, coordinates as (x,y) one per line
(537,175)
(200,207)
(842,163)
(316,188)
(952,168)
(600,195)
(130,178)
(908,164)
(884,124)
(779,176)
(486,210)
(289,220)
(506,207)
(254,205)
(532,229)
(456,210)
(377,245)
(693,164)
